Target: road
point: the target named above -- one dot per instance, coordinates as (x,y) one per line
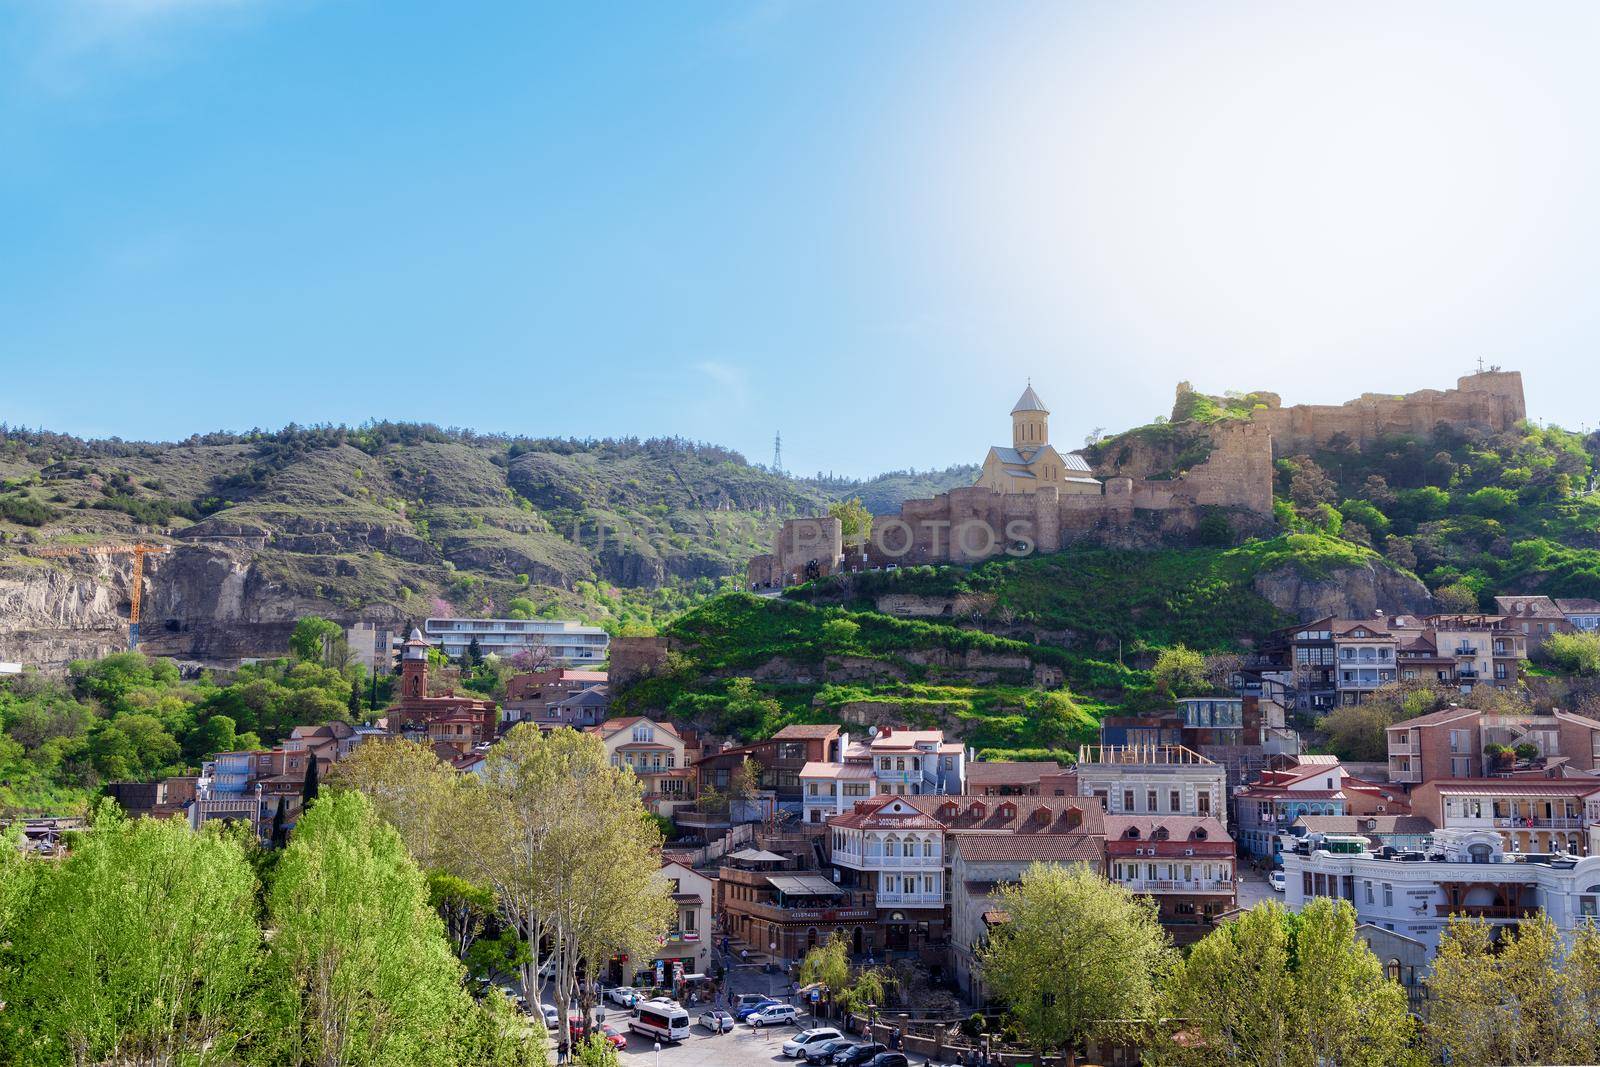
(742,1047)
(1253,888)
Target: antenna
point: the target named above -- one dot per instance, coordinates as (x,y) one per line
(777,453)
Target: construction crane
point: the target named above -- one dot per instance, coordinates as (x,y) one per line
(136,593)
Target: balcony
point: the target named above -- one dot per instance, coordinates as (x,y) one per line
(876,860)
(1526,822)
(859,910)
(1405,775)
(1485,911)
(911,900)
(1166,885)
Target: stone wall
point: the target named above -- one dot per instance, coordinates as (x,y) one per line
(1489,400)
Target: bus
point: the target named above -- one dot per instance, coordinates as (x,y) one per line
(662,1019)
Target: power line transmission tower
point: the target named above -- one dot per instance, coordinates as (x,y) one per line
(777,453)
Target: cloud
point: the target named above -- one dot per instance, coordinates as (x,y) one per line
(733,383)
(63,45)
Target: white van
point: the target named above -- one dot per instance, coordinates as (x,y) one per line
(664,1020)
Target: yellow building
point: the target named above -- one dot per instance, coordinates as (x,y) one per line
(1031,461)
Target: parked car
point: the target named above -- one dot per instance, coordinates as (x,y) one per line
(744,1011)
(717,1021)
(889,1059)
(827,1050)
(1278,882)
(775,1015)
(624,996)
(748,1000)
(551,1016)
(855,1057)
(614,1037)
(797,1045)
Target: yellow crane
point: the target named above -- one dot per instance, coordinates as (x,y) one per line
(136,592)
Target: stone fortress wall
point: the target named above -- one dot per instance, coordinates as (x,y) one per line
(1489,400)
(974,523)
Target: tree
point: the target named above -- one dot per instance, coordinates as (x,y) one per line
(416,793)
(141,948)
(308,789)
(828,963)
(474,655)
(571,853)
(1078,957)
(353,705)
(1515,996)
(1310,484)
(1358,732)
(312,638)
(1455,599)
(463,906)
(1180,671)
(1274,987)
(744,787)
(855,521)
(214,735)
(359,970)
(1576,653)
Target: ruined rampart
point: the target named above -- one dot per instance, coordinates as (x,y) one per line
(1491,401)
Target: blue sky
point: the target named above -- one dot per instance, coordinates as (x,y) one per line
(864,225)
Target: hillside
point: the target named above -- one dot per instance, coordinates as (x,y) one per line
(387,522)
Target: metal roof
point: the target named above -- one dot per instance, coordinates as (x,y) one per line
(804,885)
(1029,401)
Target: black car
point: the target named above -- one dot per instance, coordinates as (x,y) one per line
(827,1050)
(857,1056)
(889,1059)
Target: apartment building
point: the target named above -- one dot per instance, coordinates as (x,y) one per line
(892,762)
(565,641)
(899,849)
(1487,650)
(656,752)
(781,758)
(1451,744)
(1184,863)
(1582,613)
(1441,744)
(1535,617)
(1366,655)
(1463,872)
(981,863)
(1531,815)
(1266,808)
(1153,779)
(685,949)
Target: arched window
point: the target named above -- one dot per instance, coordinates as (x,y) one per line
(1392,969)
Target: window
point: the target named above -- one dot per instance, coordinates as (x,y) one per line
(1150,800)
(1388,895)
(1203,802)
(1368,886)
(1175,800)
(1127,800)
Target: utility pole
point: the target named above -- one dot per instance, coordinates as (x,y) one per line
(777,453)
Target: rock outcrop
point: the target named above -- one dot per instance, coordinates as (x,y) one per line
(1348,592)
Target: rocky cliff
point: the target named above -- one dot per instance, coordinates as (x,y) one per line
(1347,592)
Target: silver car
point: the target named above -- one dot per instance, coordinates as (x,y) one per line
(717,1021)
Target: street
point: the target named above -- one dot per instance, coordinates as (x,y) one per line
(743,1046)
(1253,888)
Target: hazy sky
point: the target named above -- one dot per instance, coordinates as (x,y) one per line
(863,224)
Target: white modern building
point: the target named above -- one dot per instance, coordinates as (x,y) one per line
(568,642)
(1463,872)
(1153,780)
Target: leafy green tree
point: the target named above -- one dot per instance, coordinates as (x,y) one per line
(1274,987)
(1180,671)
(1576,653)
(855,521)
(840,634)
(141,948)
(474,654)
(1520,998)
(215,735)
(1078,957)
(828,963)
(359,970)
(1456,598)
(463,906)
(312,638)
(312,784)
(353,705)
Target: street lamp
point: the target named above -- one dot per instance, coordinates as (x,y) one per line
(658,1054)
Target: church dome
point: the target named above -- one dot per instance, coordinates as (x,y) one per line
(1029,401)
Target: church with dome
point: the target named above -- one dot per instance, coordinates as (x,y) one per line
(1031,463)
